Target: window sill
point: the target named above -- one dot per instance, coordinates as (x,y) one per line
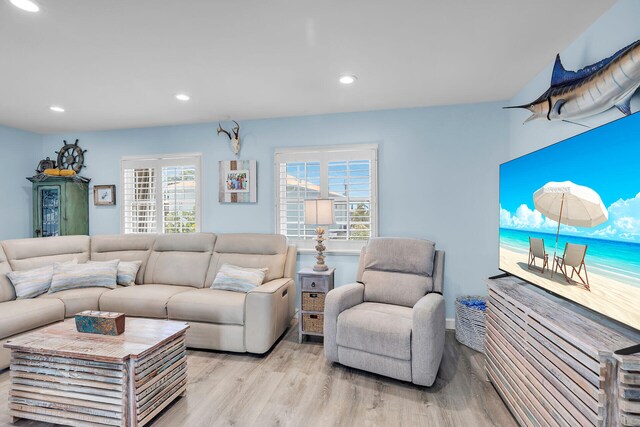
(345,252)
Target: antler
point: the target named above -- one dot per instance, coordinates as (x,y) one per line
(220,130)
(236,129)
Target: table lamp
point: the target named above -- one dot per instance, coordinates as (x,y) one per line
(319,212)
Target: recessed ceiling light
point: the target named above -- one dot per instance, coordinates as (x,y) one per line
(183,97)
(56,108)
(348,79)
(27,5)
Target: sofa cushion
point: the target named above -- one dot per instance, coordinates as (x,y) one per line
(26,254)
(238,279)
(95,274)
(77,300)
(250,250)
(125,247)
(395,288)
(208,305)
(140,301)
(381,329)
(7,291)
(24,315)
(180,259)
(397,270)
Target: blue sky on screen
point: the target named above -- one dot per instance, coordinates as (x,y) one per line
(606,159)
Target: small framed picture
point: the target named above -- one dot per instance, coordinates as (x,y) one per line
(104,195)
(238,181)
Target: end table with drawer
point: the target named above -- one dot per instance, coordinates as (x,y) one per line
(314,286)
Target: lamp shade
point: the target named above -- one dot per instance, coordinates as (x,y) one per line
(318,212)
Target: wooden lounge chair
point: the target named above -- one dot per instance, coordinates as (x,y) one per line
(573,257)
(536,250)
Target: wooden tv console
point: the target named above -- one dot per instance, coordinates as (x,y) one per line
(553,361)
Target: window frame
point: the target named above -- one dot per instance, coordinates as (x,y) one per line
(158,162)
(324,154)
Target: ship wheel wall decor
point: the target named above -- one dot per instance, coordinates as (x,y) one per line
(71,156)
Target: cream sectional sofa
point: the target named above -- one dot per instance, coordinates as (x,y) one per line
(173,283)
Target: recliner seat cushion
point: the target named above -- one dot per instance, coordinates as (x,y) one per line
(397,270)
(24,315)
(77,300)
(249,250)
(208,305)
(381,329)
(395,288)
(181,260)
(141,301)
(404,255)
(26,254)
(125,247)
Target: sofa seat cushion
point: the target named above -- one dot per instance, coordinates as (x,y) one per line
(382,329)
(24,315)
(209,306)
(141,301)
(77,300)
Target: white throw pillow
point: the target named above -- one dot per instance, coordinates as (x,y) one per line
(127,271)
(238,279)
(89,275)
(34,282)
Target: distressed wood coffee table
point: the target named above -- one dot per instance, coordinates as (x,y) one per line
(61,376)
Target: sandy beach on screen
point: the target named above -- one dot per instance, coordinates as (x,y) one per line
(612,298)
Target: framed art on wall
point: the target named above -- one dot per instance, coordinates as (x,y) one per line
(238,181)
(104,195)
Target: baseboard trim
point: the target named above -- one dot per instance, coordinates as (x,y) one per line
(450,324)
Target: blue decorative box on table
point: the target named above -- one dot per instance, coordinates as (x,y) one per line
(100,322)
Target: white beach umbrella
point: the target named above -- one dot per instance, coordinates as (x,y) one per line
(570,204)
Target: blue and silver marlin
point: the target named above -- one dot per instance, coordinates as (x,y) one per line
(591,90)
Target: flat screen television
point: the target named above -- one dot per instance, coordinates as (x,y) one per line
(594,179)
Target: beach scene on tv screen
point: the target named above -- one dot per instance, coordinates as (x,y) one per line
(570,219)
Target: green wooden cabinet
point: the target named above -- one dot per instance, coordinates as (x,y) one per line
(60,206)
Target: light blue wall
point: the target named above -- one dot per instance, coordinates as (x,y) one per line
(438,177)
(617,28)
(20,155)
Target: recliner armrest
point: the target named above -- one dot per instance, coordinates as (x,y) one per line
(337,301)
(427,338)
(266,314)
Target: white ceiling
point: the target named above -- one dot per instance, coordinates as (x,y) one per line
(119,63)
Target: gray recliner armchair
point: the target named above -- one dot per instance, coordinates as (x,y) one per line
(392,321)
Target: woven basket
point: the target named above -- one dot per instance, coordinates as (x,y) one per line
(470,321)
(312,323)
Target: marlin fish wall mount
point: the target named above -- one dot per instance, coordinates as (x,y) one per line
(591,90)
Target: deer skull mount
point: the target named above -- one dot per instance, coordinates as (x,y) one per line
(235,139)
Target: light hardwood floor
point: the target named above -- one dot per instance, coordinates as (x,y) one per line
(294,385)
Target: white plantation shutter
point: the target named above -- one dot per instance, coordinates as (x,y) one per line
(351,188)
(161,195)
(139,200)
(179,199)
(346,174)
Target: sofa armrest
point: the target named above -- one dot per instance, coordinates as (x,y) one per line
(337,301)
(266,314)
(427,338)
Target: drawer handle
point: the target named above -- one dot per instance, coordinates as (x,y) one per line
(313,284)
(313,295)
(313,316)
